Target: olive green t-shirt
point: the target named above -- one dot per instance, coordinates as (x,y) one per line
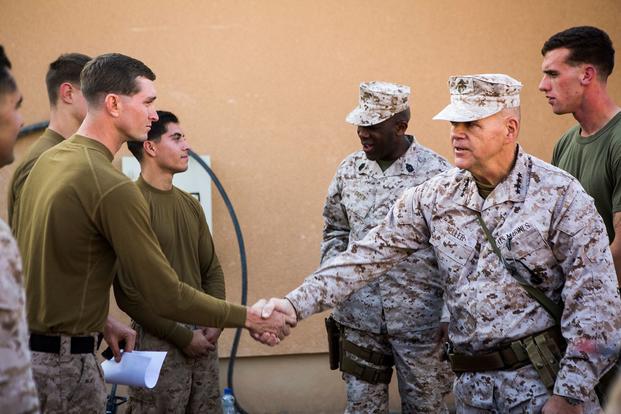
(179,223)
(48,139)
(596,162)
(76,216)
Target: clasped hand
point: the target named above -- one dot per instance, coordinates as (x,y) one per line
(270,321)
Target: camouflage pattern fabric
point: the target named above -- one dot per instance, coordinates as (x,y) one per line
(186,385)
(479,96)
(408,298)
(17,388)
(56,374)
(422,378)
(518,391)
(378,101)
(541,218)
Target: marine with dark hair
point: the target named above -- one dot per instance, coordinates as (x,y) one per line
(67,111)
(189,380)
(396,320)
(76,217)
(576,66)
(17,388)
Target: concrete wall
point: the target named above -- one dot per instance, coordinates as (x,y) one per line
(264,86)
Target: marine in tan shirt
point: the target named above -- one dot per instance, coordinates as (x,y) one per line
(67,111)
(189,380)
(82,216)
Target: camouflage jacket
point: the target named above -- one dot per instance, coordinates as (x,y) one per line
(538,215)
(409,296)
(14,351)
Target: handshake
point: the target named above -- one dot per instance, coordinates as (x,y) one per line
(270,321)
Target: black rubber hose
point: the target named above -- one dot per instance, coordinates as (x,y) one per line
(244,270)
(39,126)
(32,128)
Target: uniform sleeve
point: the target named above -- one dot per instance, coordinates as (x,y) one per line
(212,276)
(123,218)
(555,154)
(590,321)
(335,222)
(400,234)
(138,309)
(615,161)
(15,187)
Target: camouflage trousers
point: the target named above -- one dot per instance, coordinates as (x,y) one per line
(422,378)
(69,383)
(506,392)
(18,395)
(186,385)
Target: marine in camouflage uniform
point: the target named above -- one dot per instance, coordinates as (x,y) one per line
(399,315)
(541,219)
(17,388)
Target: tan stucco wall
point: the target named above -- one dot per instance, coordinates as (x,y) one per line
(264,86)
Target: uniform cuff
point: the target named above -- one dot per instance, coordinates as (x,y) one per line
(236,317)
(294,297)
(181,336)
(574,384)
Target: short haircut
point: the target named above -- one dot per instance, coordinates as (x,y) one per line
(586,44)
(66,68)
(112,73)
(158,128)
(7,82)
(403,116)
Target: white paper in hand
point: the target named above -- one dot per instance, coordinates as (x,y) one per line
(137,368)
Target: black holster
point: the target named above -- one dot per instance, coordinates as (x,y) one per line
(334,338)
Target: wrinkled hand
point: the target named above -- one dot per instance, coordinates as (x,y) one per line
(212,334)
(558,405)
(270,308)
(199,346)
(114,333)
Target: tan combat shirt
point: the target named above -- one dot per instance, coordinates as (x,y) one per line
(76,215)
(409,296)
(179,223)
(539,215)
(48,139)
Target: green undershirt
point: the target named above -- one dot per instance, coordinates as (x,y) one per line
(76,216)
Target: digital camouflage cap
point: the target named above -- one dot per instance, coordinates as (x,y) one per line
(476,97)
(378,101)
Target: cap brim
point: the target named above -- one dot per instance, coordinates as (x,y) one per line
(465,113)
(360,117)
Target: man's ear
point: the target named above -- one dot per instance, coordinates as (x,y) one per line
(113,105)
(401,127)
(65,92)
(513,126)
(588,75)
(149,148)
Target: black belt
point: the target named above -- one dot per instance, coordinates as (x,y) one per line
(51,344)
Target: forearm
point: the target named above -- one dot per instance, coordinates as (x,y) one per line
(163,328)
(213,280)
